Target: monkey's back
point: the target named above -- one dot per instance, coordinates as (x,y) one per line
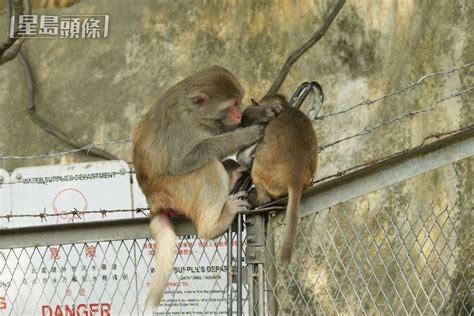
(287,156)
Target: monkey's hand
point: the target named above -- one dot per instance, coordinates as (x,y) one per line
(237,203)
(261,114)
(253,133)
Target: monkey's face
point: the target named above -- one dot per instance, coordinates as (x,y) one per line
(215,97)
(231,112)
(218,111)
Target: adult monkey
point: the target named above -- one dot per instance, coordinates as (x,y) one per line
(177,154)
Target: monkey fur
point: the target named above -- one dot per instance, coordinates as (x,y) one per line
(178,148)
(285,162)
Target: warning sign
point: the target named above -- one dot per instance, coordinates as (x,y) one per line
(199,278)
(61,189)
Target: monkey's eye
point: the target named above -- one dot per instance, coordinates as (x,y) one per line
(200,99)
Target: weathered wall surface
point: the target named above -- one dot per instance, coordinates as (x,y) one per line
(95,90)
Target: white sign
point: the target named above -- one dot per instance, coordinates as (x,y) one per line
(198,283)
(80,279)
(112,278)
(61,189)
(5,198)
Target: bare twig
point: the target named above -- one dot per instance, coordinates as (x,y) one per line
(300,51)
(11,47)
(48,127)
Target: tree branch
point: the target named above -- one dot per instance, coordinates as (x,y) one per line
(300,51)
(44,124)
(11,47)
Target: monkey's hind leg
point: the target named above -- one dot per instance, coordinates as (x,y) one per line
(210,228)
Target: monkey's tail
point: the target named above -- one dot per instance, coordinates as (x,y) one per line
(165,247)
(291,221)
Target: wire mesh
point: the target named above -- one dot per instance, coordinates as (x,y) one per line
(112,278)
(401,260)
(391,261)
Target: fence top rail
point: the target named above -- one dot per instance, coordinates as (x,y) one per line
(84,232)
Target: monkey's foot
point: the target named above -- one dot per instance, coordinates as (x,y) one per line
(216,227)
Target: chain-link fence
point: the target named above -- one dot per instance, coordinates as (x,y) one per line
(389,261)
(403,261)
(112,278)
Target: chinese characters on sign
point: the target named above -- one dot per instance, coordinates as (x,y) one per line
(66,26)
(82,278)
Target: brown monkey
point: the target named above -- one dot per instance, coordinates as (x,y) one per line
(177,154)
(285,162)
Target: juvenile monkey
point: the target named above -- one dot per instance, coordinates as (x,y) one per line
(178,147)
(285,162)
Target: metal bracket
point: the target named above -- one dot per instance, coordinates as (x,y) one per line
(255,227)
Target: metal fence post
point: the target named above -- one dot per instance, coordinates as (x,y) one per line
(239,264)
(270,268)
(229,271)
(255,224)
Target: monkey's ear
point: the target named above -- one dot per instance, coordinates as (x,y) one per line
(254,102)
(200,99)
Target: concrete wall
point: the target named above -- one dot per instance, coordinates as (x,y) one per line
(95,90)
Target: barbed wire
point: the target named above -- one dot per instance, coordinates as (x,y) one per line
(382,159)
(409,114)
(86,148)
(75,213)
(404,88)
(367,130)
(272,206)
